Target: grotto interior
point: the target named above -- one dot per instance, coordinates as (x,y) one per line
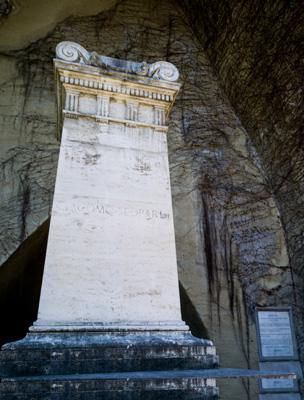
(235,151)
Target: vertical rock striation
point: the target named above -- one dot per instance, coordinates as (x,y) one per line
(257,51)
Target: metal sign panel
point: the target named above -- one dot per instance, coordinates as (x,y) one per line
(276,339)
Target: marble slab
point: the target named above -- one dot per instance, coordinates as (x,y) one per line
(111,257)
(275,334)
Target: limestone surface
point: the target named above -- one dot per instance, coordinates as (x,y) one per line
(111,257)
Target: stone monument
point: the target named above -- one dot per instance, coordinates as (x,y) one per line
(109,299)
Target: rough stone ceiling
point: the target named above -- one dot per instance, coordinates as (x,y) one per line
(24,24)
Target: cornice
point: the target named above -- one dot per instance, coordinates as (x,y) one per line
(115,80)
(74,52)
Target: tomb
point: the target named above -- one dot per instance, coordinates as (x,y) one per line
(109,299)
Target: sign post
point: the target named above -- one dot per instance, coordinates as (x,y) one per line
(277,350)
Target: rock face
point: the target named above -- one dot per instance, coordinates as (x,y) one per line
(232,188)
(257,52)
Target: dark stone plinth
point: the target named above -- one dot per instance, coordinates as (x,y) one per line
(83,387)
(73,365)
(84,352)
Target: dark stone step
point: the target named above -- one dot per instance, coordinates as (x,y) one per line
(95,353)
(151,385)
(203,394)
(71,366)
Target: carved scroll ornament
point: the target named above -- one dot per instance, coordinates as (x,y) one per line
(73,52)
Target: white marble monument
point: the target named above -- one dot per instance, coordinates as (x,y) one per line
(109,298)
(111,260)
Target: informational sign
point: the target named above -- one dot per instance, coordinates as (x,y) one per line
(275,334)
(277,349)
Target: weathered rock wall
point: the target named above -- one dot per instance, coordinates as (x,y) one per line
(257,50)
(230,242)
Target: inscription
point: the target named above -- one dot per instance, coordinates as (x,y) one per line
(276,344)
(276,339)
(151,293)
(89,208)
(142,166)
(87,156)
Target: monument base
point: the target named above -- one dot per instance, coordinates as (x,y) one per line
(78,365)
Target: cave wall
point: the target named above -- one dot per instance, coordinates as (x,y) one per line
(230,241)
(257,51)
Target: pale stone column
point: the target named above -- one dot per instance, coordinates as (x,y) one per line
(111,258)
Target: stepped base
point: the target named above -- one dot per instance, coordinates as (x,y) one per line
(86,387)
(56,353)
(60,365)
